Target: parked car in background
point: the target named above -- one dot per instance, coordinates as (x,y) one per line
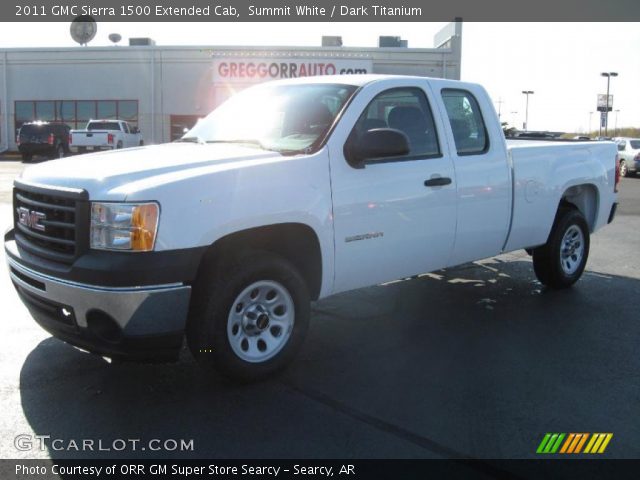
(106,135)
(629,152)
(43,138)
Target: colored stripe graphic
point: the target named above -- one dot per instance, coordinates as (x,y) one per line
(550,443)
(598,443)
(574,443)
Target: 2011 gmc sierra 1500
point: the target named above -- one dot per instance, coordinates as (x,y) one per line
(292,191)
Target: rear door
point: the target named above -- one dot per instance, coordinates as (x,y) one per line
(388,221)
(34,134)
(482,171)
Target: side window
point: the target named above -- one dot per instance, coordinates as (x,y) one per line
(125,127)
(467,125)
(404,109)
(622,146)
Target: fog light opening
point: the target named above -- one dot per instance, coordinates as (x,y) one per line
(103,326)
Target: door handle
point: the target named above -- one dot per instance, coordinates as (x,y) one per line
(437,182)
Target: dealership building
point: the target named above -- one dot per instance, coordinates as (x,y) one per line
(164,89)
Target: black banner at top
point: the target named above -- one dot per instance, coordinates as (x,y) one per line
(320,10)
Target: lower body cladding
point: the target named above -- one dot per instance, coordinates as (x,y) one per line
(144,323)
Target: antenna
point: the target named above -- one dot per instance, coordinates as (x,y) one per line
(115,38)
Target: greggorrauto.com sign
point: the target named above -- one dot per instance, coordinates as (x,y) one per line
(254,70)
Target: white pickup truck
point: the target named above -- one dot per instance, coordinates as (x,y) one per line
(105,135)
(292,191)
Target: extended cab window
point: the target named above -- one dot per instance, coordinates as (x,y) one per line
(404,109)
(467,125)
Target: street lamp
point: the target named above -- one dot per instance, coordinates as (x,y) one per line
(615,131)
(606,115)
(590,115)
(526,115)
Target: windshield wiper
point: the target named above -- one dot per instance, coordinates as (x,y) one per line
(190,140)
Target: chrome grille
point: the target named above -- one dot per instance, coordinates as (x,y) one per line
(55,234)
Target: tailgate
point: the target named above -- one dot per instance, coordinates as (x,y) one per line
(89,139)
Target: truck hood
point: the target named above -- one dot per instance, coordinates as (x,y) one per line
(105,175)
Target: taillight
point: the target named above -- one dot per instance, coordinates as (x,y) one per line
(70,139)
(110,138)
(50,139)
(615,187)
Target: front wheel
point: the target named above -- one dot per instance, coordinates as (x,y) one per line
(250,317)
(560,262)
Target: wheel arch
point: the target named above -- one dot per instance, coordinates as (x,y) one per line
(296,242)
(586,199)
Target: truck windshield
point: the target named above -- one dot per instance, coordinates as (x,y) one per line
(285,118)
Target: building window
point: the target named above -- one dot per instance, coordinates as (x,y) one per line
(107,109)
(75,113)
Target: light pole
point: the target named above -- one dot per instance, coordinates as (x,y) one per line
(615,131)
(606,114)
(499,102)
(513,118)
(590,115)
(526,115)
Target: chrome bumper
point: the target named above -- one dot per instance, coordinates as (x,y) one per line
(67,309)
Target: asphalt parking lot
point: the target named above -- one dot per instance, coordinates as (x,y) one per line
(478,361)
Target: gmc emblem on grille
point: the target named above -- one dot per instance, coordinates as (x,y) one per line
(31,218)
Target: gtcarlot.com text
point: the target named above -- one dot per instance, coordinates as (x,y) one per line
(26,442)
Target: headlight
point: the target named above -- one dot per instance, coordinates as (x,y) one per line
(124,226)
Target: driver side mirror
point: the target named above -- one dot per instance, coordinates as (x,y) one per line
(376,145)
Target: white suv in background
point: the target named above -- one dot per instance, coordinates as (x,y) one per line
(629,151)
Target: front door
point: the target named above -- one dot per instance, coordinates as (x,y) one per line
(392,218)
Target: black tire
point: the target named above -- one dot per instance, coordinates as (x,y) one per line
(624,171)
(58,152)
(119,145)
(141,143)
(553,268)
(210,324)
(27,157)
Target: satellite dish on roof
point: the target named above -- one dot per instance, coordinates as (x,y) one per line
(115,37)
(83,29)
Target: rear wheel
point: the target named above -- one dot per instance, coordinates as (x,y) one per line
(119,145)
(624,171)
(249,317)
(26,157)
(560,262)
(59,152)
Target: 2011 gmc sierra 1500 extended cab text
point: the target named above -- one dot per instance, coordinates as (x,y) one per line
(292,191)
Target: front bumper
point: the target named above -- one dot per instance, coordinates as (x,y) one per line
(145,323)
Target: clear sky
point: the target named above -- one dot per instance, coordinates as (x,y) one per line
(560,62)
